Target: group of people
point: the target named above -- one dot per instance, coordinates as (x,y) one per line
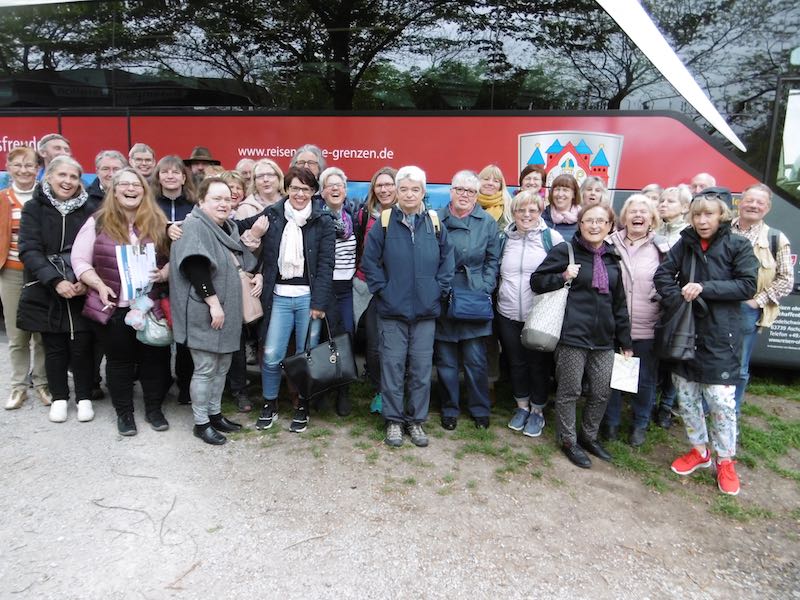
(403,272)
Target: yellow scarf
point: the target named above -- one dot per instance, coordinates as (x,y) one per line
(492,204)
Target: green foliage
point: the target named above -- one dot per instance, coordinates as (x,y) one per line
(729,506)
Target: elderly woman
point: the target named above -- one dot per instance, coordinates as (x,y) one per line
(561,213)
(653,193)
(309,156)
(298,258)
(673,204)
(333,184)
(640,251)
(725,270)
(128,215)
(206,299)
(21,166)
(266,189)
(472,233)
(409,267)
(527,241)
(173,188)
(593,191)
(595,325)
(532,179)
(381,196)
(52,298)
(493,195)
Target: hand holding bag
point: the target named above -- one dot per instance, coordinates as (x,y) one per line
(314,371)
(542,328)
(156,332)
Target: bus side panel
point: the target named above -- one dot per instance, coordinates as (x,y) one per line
(90,135)
(23,131)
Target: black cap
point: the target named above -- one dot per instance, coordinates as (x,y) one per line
(723,193)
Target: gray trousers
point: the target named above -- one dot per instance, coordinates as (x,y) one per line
(406,347)
(571,364)
(208,382)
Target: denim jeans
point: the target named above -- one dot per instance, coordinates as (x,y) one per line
(642,402)
(341,317)
(750,317)
(476,375)
(289,314)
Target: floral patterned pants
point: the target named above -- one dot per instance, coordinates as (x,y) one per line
(722,406)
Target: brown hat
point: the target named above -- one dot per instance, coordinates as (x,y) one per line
(200,153)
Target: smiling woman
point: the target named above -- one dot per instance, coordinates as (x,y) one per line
(129,215)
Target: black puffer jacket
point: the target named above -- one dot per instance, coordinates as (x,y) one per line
(592,320)
(727,271)
(45,231)
(319,247)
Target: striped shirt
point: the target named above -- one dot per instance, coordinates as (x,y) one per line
(16,198)
(344,266)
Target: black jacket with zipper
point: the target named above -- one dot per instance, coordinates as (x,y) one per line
(592,320)
(727,271)
(44,231)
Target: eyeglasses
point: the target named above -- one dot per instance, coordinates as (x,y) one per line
(293,189)
(600,222)
(381,186)
(130,184)
(266,176)
(22,165)
(527,211)
(330,186)
(460,191)
(307,163)
(143,161)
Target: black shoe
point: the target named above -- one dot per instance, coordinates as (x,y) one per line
(126,425)
(157,420)
(449,423)
(609,433)
(209,435)
(267,417)
(638,436)
(184,397)
(343,405)
(481,422)
(299,421)
(664,417)
(220,423)
(594,447)
(243,403)
(576,456)
(98,393)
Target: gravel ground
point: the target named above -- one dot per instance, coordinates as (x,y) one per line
(90,514)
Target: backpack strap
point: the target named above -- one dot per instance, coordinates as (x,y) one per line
(386,215)
(437,227)
(774,240)
(547,240)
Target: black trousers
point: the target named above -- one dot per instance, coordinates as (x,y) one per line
(126,359)
(529,369)
(62,352)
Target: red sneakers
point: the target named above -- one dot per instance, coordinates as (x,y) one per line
(727,480)
(690,462)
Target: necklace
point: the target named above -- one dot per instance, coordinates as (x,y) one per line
(632,241)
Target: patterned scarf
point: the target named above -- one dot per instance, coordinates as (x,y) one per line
(342,222)
(599,272)
(492,204)
(570,217)
(65,207)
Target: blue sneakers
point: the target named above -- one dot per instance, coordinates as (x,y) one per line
(519,419)
(535,424)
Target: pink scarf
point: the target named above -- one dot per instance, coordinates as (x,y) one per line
(570,217)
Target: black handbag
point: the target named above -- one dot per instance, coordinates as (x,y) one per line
(331,364)
(675,332)
(62,262)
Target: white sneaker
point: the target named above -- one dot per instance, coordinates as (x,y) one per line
(85,411)
(58,411)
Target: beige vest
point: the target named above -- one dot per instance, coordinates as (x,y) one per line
(767,268)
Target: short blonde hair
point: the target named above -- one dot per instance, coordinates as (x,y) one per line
(655,220)
(701,201)
(527,197)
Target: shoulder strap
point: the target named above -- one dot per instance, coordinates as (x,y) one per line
(691,270)
(435,220)
(571,253)
(547,240)
(386,215)
(774,239)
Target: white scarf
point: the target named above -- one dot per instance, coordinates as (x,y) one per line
(291,259)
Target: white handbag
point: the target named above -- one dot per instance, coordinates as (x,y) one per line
(542,328)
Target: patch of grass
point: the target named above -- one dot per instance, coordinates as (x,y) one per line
(633,461)
(770,443)
(759,386)
(445,490)
(655,483)
(372,457)
(449,478)
(410,481)
(317,433)
(545,453)
(795,513)
(556,481)
(537,474)
(470,433)
(316,451)
(362,445)
(473,485)
(487,448)
(728,506)
(358,429)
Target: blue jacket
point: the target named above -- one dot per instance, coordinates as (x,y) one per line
(408,274)
(476,251)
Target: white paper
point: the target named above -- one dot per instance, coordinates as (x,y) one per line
(134,263)
(625,374)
